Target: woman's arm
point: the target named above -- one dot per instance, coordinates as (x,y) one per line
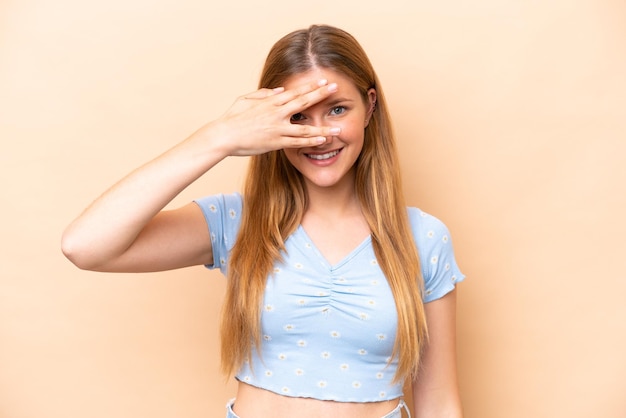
(126,229)
(435,391)
(120,231)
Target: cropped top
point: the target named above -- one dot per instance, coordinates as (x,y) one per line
(328,330)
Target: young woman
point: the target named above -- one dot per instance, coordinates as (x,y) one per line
(337,293)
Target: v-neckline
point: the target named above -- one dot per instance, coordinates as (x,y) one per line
(344,260)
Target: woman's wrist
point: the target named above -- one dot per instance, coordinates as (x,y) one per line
(210,144)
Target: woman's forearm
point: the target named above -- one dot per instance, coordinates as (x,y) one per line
(109,226)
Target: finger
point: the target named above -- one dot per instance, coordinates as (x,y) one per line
(307,100)
(306,95)
(310,131)
(299,142)
(291,94)
(263,93)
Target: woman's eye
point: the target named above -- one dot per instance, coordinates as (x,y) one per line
(297,117)
(338,110)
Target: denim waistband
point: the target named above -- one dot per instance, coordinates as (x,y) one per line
(396,413)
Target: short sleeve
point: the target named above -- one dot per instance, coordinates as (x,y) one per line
(222,213)
(434,244)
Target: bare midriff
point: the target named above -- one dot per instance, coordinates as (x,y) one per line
(253,402)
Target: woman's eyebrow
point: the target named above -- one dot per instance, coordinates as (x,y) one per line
(329,102)
(336,100)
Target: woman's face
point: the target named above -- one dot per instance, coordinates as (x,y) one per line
(332,163)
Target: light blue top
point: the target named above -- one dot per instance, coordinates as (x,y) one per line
(328,330)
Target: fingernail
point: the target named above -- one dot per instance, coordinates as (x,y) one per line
(278,89)
(322,82)
(334,131)
(332,87)
(320,139)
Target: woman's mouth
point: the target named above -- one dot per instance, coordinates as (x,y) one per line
(321,157)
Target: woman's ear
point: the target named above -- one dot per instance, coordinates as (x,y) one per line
(371,96)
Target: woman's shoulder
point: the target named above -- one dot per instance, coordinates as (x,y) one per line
(423,221)
(220,202)
(429,232)
(434,244)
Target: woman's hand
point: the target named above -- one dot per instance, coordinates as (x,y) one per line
(260,121)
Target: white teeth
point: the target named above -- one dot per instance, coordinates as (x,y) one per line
(323,156)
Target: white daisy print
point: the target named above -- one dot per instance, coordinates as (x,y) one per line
(382,394)
(434,260)
(325,355)
(445,238)
(269,308)
(301,302)
(322,383)
(299,372)
(289,327)
(371,302)
(374,282)
(381,337)
(285,389)
(373,262)
(362,352)
(232,213)
(267,338)
(268,373)
(344,367)
(213,208)
(430,234)
(335,334)
(299,266)
(301,343)
(356,384)
(379,375)
(363,316)
(282,356)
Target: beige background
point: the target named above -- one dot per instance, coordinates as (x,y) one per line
(511,121)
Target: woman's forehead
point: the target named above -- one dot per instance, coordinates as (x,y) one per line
(314,75)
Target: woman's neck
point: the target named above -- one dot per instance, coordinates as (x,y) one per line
(338,200)
(334,221)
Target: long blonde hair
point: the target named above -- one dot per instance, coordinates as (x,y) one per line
(275,199)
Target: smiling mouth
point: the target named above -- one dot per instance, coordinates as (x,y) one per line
(321,157)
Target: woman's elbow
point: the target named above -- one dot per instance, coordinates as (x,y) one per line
(78,251)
